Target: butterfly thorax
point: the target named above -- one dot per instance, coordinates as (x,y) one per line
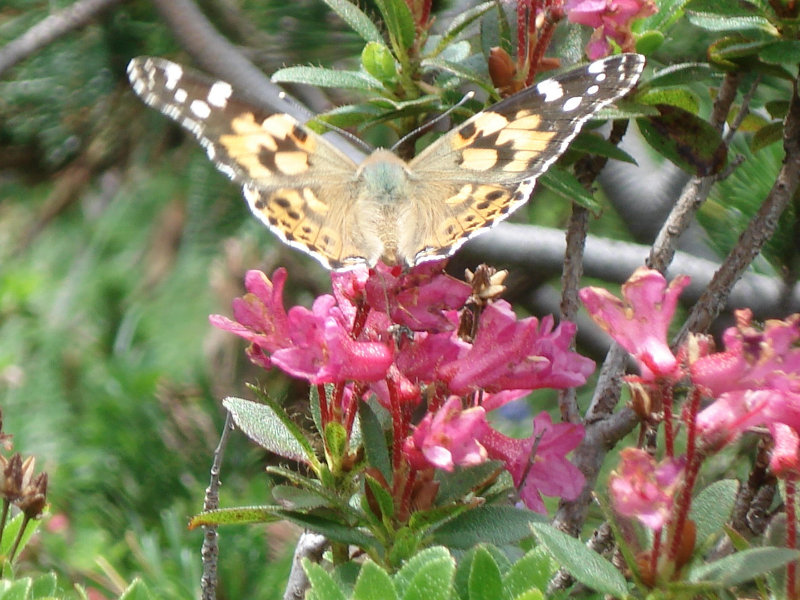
(382,181)
(383,177)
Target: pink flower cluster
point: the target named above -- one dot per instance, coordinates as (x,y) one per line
(394,335)
(611,20)
(754,381)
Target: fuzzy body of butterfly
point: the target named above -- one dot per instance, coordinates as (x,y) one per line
(344,214)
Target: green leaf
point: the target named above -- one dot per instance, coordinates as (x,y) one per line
(680,97)
(669,11)
(680,74)
(44,586)
(727,15)
(137,590)
(453,486)
(295,498)
(460,22)
(431,580)
(486,524)
(235,516)
(373,583)
(685,139)
(767,135)
(271,428)
(336,440)
(456,53)
(322,77)
(374,441)
(16,590)
(414,565)
(566,185)
(743,566)
(649,41)
(531,572)
(333,530)
(381,496)
(322,584)
(495,31)
(356,19)
(591,143)
(777,109)
(729,51)
(399,22)
(783,52)
(484,578)
(378,61)
(588,567)
(712,508)
(406,543)
(11,532)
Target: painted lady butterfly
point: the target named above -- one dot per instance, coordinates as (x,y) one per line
(344,214)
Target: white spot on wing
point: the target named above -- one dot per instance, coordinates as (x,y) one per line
(592,90)
(173,74)
(551,89)
(200,108)
(180,95)
(219,93)
(596,67)
(571,104)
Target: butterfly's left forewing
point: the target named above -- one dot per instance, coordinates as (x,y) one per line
(294,181)
(477,174)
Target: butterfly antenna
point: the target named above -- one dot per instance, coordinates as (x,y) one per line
(343,132)
(427,126)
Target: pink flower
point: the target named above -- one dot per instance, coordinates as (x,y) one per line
(756,380)
(643,490)
(422,299)
(547,471)
(784,460)
(640,322)
(508,354)
(448,437)
(611,20)
(314,344)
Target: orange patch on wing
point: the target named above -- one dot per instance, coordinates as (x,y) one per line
(478,159)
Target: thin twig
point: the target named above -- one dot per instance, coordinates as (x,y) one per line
(210,549)
(587,169)
(760,229)
(540,250)
(50,29)
(744,110)
(310,546)
(696,191)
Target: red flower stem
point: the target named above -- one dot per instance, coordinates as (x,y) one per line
(791,538)
(523,15)
(398,429)
(335,405)
(323,405)
(350,415)
(426,13)
(655,552)
(669,425)
(691,425)
(684,503)
(405,499)
(360,319)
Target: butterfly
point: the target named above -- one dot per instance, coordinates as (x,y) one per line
(344,214)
